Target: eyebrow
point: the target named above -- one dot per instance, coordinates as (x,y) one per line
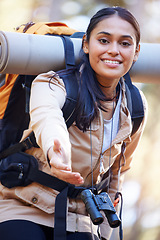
(109,34)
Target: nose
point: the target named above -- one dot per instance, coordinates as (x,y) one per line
(113,49)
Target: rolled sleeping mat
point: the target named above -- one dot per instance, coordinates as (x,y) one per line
(147,67)
(32,53)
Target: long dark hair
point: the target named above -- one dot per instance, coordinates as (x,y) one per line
(90,94)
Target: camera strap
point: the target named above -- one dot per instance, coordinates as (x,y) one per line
(119,195)
(106,181)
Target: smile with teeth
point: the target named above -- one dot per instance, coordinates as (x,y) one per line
(110,61)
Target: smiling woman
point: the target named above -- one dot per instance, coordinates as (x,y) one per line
(98,146)
(112,48)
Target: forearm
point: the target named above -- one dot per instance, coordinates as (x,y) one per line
(47,122)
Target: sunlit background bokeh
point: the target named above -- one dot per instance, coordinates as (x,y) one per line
(141,191)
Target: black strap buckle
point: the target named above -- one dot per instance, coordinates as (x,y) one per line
(27,143)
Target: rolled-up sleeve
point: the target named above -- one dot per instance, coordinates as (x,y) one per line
(48,96)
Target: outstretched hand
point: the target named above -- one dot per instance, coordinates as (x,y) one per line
(59,166)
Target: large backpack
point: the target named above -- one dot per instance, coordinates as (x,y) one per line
(15,92)
(14,113)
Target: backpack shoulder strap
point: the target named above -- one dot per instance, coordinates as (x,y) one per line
(134,103)
(69,51)
(71,85)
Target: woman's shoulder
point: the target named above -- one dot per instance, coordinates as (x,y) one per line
(51,78)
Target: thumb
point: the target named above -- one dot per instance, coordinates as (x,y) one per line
(57,146)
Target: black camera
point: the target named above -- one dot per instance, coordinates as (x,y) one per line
(95,203)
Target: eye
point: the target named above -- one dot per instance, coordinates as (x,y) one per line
(125,44)
(103,40)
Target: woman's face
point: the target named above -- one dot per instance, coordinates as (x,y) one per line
(112,49)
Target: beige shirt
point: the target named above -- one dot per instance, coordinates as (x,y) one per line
(36,202)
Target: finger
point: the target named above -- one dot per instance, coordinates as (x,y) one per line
(73,177)
(56,146)
(58,154)
(70,177)
(59,165)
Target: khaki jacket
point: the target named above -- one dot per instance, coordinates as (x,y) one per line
(36,202)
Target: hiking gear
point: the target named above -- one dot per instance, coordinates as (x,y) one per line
(66,189)
(61,199)
(101,202)
(134,103)
(14,108)
(35,51)
(15,93)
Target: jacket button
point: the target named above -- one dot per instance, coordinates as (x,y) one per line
(34,200)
